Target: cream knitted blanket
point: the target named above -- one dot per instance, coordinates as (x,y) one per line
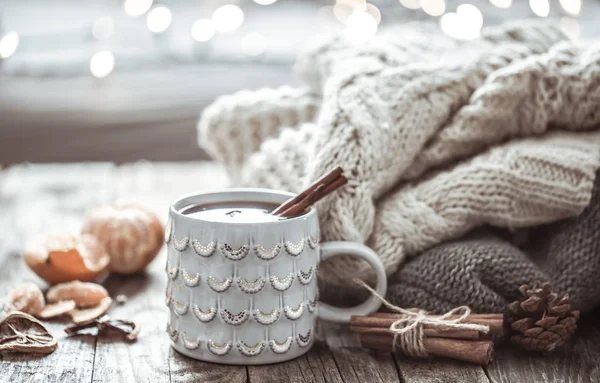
(436,136)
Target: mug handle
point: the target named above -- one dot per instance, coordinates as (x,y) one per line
(342,315)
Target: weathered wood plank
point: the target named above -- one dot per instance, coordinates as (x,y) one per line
(438,371)
(571,364)
(34,200)
(147,359)
(184,370)
(354,363)
(590,333)
(151,358)
(317,365)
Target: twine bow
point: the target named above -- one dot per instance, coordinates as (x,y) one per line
(408,330)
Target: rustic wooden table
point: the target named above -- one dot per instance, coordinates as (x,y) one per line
(41,198)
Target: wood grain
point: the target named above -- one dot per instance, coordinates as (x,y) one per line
(438,371)
(354,363)
(185,370)
(590,333)
(571,364)
(317,366)
(33,200)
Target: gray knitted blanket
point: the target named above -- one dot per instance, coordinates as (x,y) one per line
(484,270)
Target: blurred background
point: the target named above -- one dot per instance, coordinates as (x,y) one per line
(114,80)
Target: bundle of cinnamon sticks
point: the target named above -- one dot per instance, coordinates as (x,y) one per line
(460,344)
(325,185)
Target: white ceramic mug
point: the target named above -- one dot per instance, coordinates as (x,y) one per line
(246,293)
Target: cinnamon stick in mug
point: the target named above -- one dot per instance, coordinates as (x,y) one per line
(319,189)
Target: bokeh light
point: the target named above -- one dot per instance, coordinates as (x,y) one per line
(254,44)
(159,19)
(264,2)
(465,24)
(342,10)
(203,30)
(411,4)
(102,64)
(570,27)
(228,18)
(137,7)
(373,11)
(501,3)
(360,27)
(540,7)
(572,7)
(8,44)
(103,28)
(433,7)
(471,15)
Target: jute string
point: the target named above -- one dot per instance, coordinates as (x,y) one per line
(408,330)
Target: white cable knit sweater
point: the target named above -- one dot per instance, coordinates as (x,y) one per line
(432,134)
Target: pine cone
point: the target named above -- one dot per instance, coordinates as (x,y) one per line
(541,320)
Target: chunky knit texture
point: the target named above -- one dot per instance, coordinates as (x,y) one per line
(421,130)
(484,271)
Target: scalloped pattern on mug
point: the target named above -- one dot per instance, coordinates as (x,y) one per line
(251,287)
(281,347)
(180,244)
(219,286)
(189,280)
(172,271)
(282,284)
(219,349)
(267,254)
(234,319)
(180,308)
(306,277)
(267,318)
(234,255)
(247,350)
(204,250)
(172,332)
(304,340)
(294,313)
(313,241)
(202,315)
(294,249)
(168,294)
(190,344)
(312,304)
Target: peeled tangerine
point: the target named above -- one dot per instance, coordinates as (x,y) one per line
(85,301)
(82,293)
(58,258)
(131,234)
(27,298)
